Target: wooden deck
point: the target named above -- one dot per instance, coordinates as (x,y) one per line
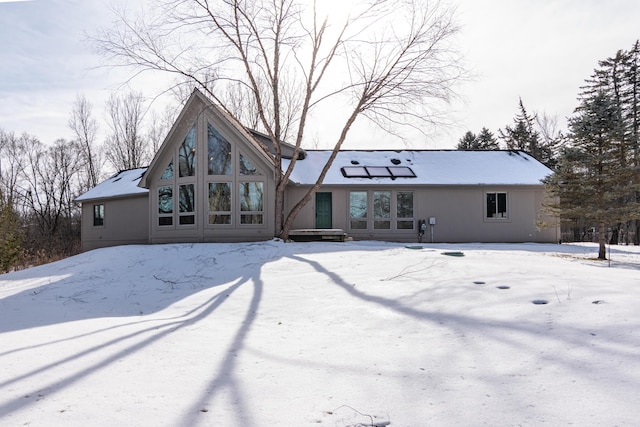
(318,234)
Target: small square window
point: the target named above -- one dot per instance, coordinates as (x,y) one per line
(497,206)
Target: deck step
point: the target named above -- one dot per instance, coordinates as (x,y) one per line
(318,234)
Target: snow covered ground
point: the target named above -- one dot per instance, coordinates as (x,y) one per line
(323,334)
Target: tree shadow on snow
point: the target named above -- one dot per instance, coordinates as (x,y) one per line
(524,336)
(93,285)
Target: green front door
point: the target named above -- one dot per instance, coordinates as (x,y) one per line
(323,210)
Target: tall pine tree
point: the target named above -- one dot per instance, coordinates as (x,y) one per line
(524,136)
(619,78)
(587,184)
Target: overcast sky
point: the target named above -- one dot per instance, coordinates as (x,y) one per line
(539,50)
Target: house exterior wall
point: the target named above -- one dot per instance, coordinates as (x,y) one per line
(126,222)
(459,212)
(203,229)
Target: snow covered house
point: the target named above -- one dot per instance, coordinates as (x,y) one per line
(211,181)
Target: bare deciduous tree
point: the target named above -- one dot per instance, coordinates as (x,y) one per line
(46,185)
(159,126)
(125,147)
(11,164)
(391,61)
(85,128)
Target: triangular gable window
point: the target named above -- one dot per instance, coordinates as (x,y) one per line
(246,167)
(219,152)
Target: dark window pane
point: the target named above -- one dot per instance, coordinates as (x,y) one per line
(98,215)
(165,220)
(250,219)
(405,204)
(187,154)
(358,225)
(219,219)
(405,225)
(497,205)
(187,219)
(187,198)
(491,205)
(502,204)
(382,225)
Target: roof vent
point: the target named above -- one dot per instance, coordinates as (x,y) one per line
(395,161)
(355,162)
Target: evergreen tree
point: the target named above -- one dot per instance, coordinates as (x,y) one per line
(487,141)
(483,141)
(10,235)
(587,184)
(468,142)
(619,78)
(524,136)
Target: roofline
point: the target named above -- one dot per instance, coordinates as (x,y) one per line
(116,197)
(216,110)
(395,150)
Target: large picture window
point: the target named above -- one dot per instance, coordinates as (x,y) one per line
(381,210)
(358,210)
(497,205)
(220,203)
(251,202)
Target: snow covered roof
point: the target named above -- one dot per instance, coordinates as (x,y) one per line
(430,167)
(389,167)
(122,184)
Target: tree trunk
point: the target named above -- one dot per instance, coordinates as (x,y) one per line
(602,240)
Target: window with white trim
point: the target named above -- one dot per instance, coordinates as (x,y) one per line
(382,210)
(165,205)
(251,202)
(496,207)
(358,210)
(98,215)
(220,203)
(404,210)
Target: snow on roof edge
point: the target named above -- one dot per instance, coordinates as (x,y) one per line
(122,184)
